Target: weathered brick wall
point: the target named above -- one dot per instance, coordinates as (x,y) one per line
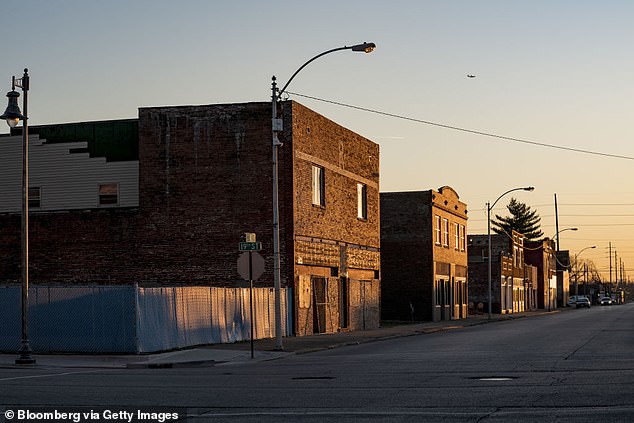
(75,247)
(405,255)
(332,240)
(348,159)
(205,179)
(409,251)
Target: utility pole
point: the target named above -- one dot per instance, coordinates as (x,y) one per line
(610,247)
(557,221)
(616,272)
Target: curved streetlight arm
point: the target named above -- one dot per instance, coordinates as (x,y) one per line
(276,128)
(365,47)
(489,208)
(511,190)
(582,250)
(563,230)
(307,63)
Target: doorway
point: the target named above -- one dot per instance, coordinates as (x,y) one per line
(320,303)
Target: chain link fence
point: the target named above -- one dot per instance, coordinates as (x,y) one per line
(130,319)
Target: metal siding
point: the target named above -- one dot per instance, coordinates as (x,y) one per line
(67,181)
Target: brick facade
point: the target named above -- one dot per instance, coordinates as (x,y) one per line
(334,250)
(423,279)
(511,288)
(205,178)
(541,254)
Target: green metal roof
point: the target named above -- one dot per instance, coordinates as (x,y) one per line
(116,140)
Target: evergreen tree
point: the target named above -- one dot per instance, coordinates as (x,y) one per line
(522,220)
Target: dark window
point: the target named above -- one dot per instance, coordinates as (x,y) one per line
(35,197)
(108,194)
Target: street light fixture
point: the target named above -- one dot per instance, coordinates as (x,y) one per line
(277,126)
(489,208)
(556,238)
(13,116)
(577,269)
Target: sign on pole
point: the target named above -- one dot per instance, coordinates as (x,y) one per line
(255,270)
(250,246)
(250,267)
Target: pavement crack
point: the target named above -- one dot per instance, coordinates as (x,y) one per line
(486,416)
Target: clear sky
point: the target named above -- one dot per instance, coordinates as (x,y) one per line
(547,71)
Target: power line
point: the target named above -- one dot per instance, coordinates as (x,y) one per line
(470,131)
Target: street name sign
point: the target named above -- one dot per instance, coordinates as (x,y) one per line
(250,246)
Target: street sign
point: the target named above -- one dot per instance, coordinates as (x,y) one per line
(250,246)
(250,269)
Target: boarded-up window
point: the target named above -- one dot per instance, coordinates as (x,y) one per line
(319,186)
(362,201)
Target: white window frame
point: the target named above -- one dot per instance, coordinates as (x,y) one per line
(445,232)
(462,237)
(456,227)
(437,229)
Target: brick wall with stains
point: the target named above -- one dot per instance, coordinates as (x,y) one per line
(205,178)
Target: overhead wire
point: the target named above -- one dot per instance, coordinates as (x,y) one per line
(457,128)
(491,135)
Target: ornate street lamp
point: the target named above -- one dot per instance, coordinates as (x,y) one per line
(277,125)
(489,208)
(13,116)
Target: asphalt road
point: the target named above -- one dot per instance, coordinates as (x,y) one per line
(576,365)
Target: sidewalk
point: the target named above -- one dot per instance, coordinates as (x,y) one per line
(210,355)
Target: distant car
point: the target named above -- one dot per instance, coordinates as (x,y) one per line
(605,301)
(572,301)
(582,302)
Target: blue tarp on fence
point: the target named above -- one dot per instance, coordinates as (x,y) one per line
(128,319)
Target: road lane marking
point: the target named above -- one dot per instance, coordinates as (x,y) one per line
(48,375)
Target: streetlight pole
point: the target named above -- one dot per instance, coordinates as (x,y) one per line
(489,208)
(277,126)
(577,269)
(557,262)
(13,115)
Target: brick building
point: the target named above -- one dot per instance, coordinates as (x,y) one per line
(203,179)
(512,288)
(541,254)
(423,255)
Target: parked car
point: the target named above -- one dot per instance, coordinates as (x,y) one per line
(572,301)
(582,302)
(605,301)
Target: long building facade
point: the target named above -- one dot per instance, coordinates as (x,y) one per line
(166,200)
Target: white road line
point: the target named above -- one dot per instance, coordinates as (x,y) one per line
(49,375)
